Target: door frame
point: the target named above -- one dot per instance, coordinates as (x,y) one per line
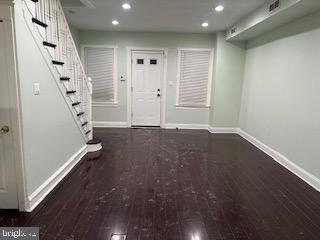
(163,51)
(6,14)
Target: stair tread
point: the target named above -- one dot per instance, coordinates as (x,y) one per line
(83,124)
(57,62)
(94,141)
(73,91)
(40,23)
(64,78)
(75,103)
(48,44)
(80,113)
(87,132)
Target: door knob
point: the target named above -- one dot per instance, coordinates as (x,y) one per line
(5,129)
(158,94)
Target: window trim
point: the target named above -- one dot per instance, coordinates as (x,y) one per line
(210,78)
(113,103)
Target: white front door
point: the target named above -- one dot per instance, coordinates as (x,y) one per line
(8,186)
(147,73)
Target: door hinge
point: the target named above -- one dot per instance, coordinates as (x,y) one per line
(131,89)
(131,61)
(132,115)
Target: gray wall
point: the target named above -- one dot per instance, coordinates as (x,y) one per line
(50,135)
(172,41)
(281,92)
(228,80)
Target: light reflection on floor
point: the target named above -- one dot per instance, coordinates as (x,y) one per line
(118,237)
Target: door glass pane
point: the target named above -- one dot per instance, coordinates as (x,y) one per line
(153,61)
(140,61)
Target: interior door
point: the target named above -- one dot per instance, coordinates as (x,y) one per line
(147,73)
(8,186)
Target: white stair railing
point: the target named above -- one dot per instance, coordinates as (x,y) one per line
(49,19)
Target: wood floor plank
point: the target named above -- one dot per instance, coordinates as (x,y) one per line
(176,185)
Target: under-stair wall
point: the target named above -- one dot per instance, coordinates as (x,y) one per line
(53,140)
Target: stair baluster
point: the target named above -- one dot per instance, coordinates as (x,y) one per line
(52,25)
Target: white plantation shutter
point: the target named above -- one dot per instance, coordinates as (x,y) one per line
(100,66)
(194,77)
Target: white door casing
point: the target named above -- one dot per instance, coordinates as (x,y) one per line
(147,75)
(8,182)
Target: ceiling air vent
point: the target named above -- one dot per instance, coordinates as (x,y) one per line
(233,30)
(274,6)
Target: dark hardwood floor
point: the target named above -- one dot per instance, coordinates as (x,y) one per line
(176,185)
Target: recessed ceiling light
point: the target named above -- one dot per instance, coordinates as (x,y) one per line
(115,22)
(205,24)
(126,6)
(219,8)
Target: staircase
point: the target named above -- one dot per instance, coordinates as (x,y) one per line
(48,19)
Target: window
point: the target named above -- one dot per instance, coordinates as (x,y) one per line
(100,65)
(194,77)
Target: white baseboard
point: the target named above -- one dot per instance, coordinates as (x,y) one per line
(109,124)
(222,130)
(283,160)
(41,192)
(185,126)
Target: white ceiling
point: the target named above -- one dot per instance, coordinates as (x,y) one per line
(159,15)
